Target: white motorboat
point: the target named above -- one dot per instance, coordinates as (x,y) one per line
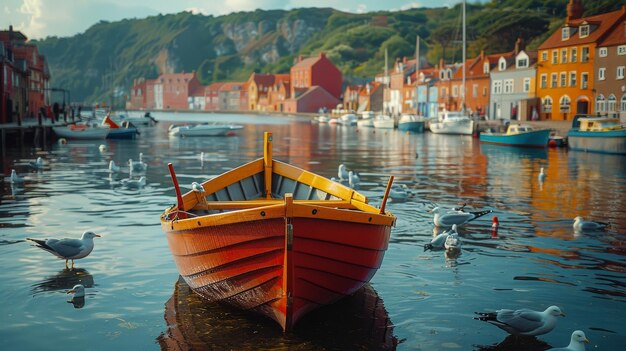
(82,131)
(383,122)
(348,120)
(452,123)
(366,120)
(204,129)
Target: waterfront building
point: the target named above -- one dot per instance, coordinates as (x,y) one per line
(445,98)
(513,86)
(279,93)
(263,91)
(351,97)
(426,90)
(211,96)
(315,83)
(610,82)
(138,95)
(394,94)
(230,96)
(566,69)
(173,90)
(371,97)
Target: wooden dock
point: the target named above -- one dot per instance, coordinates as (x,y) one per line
(31,132)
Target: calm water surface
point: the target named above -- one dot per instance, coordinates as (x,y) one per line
(417,301)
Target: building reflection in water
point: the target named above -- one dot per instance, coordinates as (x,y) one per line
(358,322)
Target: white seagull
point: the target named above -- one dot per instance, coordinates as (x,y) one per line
(459,218)
(37,164)
(542,176)
(398,193)
(134,183)
(102,148)
(581,224)
(353,179)
(113,168)
(138,166)
(523,321)
(439,241)
(576,343)
(15,179)
(68,249)
(342,172)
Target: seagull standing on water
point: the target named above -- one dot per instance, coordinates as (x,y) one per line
(453,242)
(37,164)
(138,166)
(439,242)
(15,179)
(342,172)
(68,249)
(581,224)
(577,342)
(459,218)
(353,179)
(113,168)
(524,321)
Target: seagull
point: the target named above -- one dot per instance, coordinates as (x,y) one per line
(542,176)
(134,183)
(68,249)
(197,187)
(342,173)
(524,321)
(439,241)
(113,168)
(353,179)
(78,290)
(15,179)
(581,224)
(398,193)
(37,164)
(138,166)
(577,342)
(455,217)
(453,242)
(102,148)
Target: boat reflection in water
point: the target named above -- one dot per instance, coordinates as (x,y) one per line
(357,322)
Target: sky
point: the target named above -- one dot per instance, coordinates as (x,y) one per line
(38,19)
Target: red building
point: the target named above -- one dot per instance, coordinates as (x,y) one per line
(175,90)
(314,73)
(212,96)
(24,77)
(138,95)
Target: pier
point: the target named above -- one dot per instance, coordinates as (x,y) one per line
(30,130)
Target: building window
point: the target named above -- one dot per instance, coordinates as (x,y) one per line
(623,103)
(621,50)
(475,90)
(544,81)
(564,104)
(502,64)
(572,79)
(555,57)
(584,80)
(526,87)
(486,67)
(455,91)
(602,73)
(522,63)
(497,87)
(553,82)
(563,55)
(620,72)
(584,31)
(544,56)
(547,104)
(565,33)
(603,52)
(600,103)
(574,54)
(611,103)
(584,56)
(563,79)
(484,91)
(508,86)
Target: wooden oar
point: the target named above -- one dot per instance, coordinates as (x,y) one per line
(179,197)
(382,206)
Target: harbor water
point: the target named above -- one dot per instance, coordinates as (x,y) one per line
(418,300)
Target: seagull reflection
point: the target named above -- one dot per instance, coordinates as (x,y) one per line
(357,322)
(516,343)
(78,300)
(64,280)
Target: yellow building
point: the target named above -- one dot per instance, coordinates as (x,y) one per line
(565,69)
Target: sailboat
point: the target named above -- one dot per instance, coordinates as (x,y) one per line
(449,122)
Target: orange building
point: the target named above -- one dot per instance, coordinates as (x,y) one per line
(565,69)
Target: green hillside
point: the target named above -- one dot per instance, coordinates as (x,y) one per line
(100,64)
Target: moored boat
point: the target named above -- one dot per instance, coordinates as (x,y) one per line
(597,134)
(204,129)
(411,123)
(452,123)
(125,130)
(82,131)
(366,120)
(383,122)
(518,135)
(273,238)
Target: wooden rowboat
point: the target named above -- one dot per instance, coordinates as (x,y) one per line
(273,238)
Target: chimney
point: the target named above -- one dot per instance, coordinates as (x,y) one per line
(299,58)
(322,54)
(10,28)
(518,46)
(574,10)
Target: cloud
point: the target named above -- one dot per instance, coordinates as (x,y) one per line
(32,10)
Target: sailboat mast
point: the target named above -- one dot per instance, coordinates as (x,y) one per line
(463,63)
(417,71)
